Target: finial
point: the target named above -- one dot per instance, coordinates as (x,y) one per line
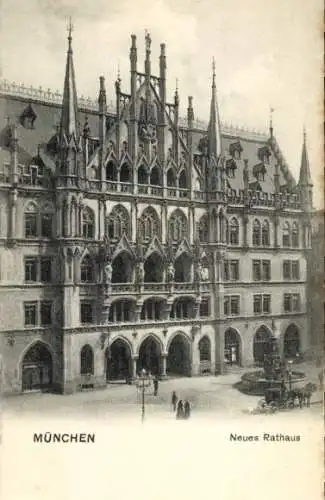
(70,30)
(118,72)
(176,85)
(304,134)
(271,120)
(147,39)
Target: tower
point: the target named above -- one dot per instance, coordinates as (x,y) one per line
(305,181)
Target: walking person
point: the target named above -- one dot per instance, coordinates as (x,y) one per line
(155,386)
(180,410)
(174,400)
(187,410)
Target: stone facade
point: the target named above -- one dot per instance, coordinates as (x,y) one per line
(130,239)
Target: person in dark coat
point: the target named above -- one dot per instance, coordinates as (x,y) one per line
(155,386)
(187,410)
(174,400)
(180,410)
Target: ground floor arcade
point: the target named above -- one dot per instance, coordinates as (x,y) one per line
(93,360)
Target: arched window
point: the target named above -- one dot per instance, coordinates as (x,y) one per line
(205,349)
(86,360)
(286,235)
(142,175)
(182,182)
(295,235)
(87,270)
(265,234)
(118,222)
(233,229)
(125,173)
(88,223)
(149,224)
(122,311)
(203,229)
(155,176)
(111,171)
(171,177)
(31,225)
(256,233)
(177,226)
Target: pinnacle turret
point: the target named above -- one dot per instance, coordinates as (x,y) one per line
(69,117)
(214,129)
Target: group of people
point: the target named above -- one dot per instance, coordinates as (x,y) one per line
(181,408)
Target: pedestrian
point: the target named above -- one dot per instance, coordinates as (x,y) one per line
(187,410)
(174,400)
(180,410)
(155,386)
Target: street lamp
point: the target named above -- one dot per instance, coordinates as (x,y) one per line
(290,373)
(143,381)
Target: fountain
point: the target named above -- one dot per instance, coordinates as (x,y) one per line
(276,369)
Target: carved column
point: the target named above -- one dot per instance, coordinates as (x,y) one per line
(163,364)
(246,235)
(134,366)
(13,207)
(138,309)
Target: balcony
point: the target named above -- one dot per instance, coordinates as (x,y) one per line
(177,288)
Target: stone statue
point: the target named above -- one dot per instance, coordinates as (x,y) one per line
(170,272)
(140,272)
(108,270)
(204,273)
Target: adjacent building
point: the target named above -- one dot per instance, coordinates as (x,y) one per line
(131,238)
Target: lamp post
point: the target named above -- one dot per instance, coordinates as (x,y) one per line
(143,381)
(290,374)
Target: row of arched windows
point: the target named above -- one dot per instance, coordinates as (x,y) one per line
(153,176)
(39,223)
(87,355)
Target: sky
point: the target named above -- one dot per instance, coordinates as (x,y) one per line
(268,54)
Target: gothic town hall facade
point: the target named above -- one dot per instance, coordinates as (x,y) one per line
(131,238)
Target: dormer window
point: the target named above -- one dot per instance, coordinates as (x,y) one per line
(235,150)
(28,117)
(264,154)
(259,172)
(231,168)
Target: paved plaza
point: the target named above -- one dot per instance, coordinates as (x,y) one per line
(207,395)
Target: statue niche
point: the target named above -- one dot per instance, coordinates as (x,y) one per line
(147,121)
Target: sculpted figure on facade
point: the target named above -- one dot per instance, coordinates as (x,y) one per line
(170,272)
(108,271)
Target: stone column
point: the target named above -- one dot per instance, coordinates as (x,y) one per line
(134,366)
(138,309)
(163,364)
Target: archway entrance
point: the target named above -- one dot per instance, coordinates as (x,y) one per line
(261,344)
(122,268)
(150,356)
(291,342)
(178,359)
(37,369)
(118,361)
(153,269)
(232,347)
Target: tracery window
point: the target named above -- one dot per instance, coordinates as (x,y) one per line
(88,223)
(286,235)
(87,270)
(118,222)
(256,233)
(233,228)
(171,177)
(295,235)
(86,360)
(177,226)
(203,229)
(265,234)
(149,224)
(182,182)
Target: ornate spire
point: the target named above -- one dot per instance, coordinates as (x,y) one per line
(69,117)
(214,130)
(305,175)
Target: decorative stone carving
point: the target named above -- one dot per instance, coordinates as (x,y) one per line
(170,272)
(140,272)
(108,270)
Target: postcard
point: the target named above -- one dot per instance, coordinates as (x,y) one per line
(161,250)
